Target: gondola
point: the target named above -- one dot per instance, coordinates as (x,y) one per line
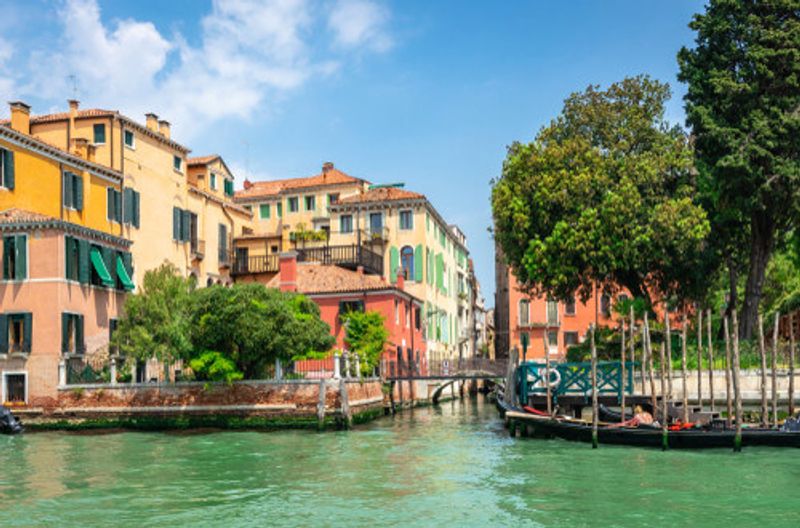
(8,422)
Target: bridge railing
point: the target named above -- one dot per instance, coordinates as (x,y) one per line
(444,368)
(574,378)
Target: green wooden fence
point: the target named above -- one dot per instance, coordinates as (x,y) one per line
(573,378)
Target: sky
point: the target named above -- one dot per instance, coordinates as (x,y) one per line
(424,93)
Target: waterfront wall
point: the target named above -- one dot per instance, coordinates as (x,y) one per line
(750,380)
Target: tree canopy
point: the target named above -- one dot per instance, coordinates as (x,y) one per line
(366,334)
(604,195)
(743,104)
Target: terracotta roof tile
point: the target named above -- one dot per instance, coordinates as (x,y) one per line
(60,116)
(313,277)
(330,176)
(381,194)
(16,216)
(202,160)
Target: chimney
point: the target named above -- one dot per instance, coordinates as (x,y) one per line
(73,107)
(401,280)
(247,184)
(288,271)
(80,147)
(360,269)
(91,150)
(151,121)
(327,167)
(163,128)
(20,117)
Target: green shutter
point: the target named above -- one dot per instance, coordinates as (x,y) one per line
(394,258)
(21,249)
(122,273)
(27,331)
(66,181)
(186,222)
(439,271)
(263,211)
(418,263)
(65,332)
(8,168)
(84,272)
(118,206)
(128,261)
(100,266)
(176,224)
(110,204)
(3,334)
(67,256)
(109,259)
(78,193)
(127,205)
(80,346)
(135,208)
(8,244)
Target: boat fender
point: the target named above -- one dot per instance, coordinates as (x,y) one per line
(555,382)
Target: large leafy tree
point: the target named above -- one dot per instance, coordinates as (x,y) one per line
(604,196)
(743,104)
(253,325)
(366,335)
(155,320)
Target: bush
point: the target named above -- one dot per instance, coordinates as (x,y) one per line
(213,366)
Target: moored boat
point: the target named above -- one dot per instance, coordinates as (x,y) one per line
(9,424)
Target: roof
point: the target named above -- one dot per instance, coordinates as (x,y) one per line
(316,278)
(17,216)
(329,176)
(202,160)
(381,194)
(15,219)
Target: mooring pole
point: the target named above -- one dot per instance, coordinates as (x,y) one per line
(762,353)
(685,373)
(737,385)
(650,370)
(775,337)
(728,371)
(622,371)
(700,356)
(664,400)
(668,341)
(547,372)
(633,353)
(644,357)
(594,389)
(710,360)
(791,364)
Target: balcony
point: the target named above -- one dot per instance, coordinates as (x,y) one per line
(377,235)
(349,256)
(257,264)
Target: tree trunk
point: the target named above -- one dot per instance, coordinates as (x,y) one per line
(762,234)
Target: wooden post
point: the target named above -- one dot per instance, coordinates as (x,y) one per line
(728,367)
(791,364)
(685,373)
(321,406)
(668,343)
(644,358)
(710,360)
(664,400)
(650,372)
(699,356)
(347,418)
(633,352)
(594,390)
(762,352)
(622,371)
(547,372)
(737,385)
(775,336)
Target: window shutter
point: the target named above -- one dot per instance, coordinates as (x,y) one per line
(393,264)
(3,334)
(110,204)
(186,219)
(78,193)
(21,267)
(127,205)
(439,271)
(7,248)
(176,224)
(64,332)
(118,206)
(8,167)
(67,183)
(84,271)
(27,324)
(80,346)
(418,263)
(68,256)
(135,209)
(111,264)
(128,263)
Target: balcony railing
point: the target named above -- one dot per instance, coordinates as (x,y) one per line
(350,256)
(256,264)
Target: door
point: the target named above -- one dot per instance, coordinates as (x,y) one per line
(242,262)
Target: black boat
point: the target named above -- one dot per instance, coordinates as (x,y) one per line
(8,422)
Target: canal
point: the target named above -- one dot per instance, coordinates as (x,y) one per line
(445,466)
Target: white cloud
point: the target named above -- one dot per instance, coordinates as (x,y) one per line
(251,54)
(360,23)
(6,79)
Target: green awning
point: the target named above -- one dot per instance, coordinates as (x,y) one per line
(100,267)
(122,274)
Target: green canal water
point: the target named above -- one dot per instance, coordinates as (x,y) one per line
(447,466)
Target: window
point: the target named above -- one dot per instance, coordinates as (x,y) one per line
(273,249)
(72,334)
(6,168)
(15,257)
(228,184)
(311,203)
(345,307)
(569,306)
(130,204)
(408,315)
(103,266)
(417,318)
(346,224)
(605,305)
(15,332)
(72,257)
(406,220)
(524,312)
(333,198)
(279,209)
(264,211)
(99,130)
(396,312)
(129,139)
(213,181)
(15,387)
(293,204)
(177,163)
(72,191)
(181,225)
(570,339)
(376,223)
(113,205)
(552,313)
(223,244)
(407,262)
(194,243)
(552,339)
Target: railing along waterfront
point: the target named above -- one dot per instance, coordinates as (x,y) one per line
(574,378)
(255,264)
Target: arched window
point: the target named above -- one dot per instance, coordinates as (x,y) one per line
(209,282)
(524,312)
(407,262)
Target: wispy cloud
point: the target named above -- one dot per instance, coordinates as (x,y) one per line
(251,53)
(6,79)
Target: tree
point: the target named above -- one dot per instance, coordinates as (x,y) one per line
(366,335)
(253,325)
(743,104)
(213,366)
(155,321)
(604,196)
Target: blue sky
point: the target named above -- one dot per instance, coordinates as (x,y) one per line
(420,92)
